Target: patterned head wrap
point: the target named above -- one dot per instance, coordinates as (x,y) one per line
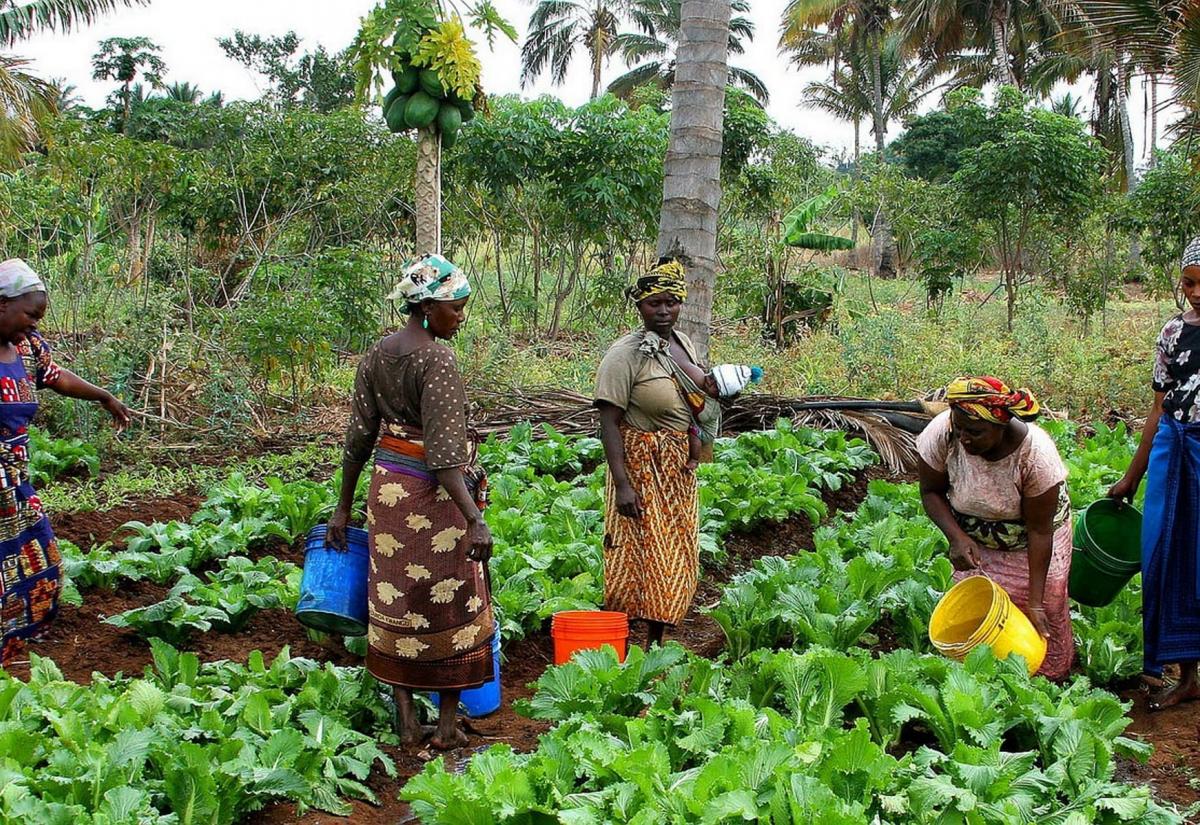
(1191,255)
(989,399)
(668,277)
(17,279)
(433,278)
(733,378)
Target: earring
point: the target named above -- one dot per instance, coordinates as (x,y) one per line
(425,323)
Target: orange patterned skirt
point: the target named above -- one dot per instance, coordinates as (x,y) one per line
(651,564)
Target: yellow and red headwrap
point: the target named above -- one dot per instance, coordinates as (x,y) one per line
(989,399)
(668,277)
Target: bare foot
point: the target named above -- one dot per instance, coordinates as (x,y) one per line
(1187,691)
(456,739)
(414,733)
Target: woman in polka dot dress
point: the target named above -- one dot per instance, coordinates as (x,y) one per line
(430,625)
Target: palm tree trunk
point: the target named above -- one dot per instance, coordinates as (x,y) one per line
(1126,128)
(1153,143)
(597,63)
(883,245)
(1135,245)
(1000,24)
(597,44)
(857,218)
(427,193)
(692,170)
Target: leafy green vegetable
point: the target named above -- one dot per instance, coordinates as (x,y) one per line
(51,457)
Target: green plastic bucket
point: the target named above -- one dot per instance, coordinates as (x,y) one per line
(1108,551)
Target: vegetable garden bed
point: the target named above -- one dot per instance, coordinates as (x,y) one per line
(764,497)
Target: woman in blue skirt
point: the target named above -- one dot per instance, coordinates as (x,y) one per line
(1169,457)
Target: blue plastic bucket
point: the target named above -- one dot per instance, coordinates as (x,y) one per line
(484,699)
(333,589)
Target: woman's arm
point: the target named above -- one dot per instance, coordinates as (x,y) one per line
(628,503)
(336,532)
(478,534)
(361,434)
(1127,487)
(72,386)
(935,486)
(1038,512)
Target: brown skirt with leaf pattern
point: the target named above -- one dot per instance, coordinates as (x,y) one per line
(430,624)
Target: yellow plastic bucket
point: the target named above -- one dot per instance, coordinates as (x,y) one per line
(977,611)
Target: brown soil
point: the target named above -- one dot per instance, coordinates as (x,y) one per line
(89,528)
(1173,772)
(80,643)
(526,660)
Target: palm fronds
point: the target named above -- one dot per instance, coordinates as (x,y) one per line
(19,21)
(26,102)
(889,427)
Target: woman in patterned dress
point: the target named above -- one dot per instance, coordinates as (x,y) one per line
(430,613)
(996,486)
(1170,452)
(29,560)
(651,512)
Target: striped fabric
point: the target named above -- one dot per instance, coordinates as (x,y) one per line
(651,564)
(1170,545)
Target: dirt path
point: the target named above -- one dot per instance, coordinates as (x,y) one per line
(1173,772)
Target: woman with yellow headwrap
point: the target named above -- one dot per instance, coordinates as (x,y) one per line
(995,485)
(644,391)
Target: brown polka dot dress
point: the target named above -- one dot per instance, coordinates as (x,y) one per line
(431,623)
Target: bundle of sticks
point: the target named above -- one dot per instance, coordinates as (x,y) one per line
(890,427)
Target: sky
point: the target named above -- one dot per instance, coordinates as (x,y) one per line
(188,30)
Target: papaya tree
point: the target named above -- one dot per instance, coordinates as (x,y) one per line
(422,47)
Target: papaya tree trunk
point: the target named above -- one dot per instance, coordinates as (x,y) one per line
(692,170)
(427,193)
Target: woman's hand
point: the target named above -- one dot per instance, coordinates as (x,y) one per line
(964,553)
(335,535)
(1124,489)
(628,502)
(1037,616)
(480,539)
(118,411)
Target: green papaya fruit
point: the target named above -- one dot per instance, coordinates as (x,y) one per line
(449,139)
(395,114)
(449,118)
(431,84)
(420,111)
(389,99)
(407,80)
(467,110)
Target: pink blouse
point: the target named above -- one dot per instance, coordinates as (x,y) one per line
(992,490)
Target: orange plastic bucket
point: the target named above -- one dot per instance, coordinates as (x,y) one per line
(574,630)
